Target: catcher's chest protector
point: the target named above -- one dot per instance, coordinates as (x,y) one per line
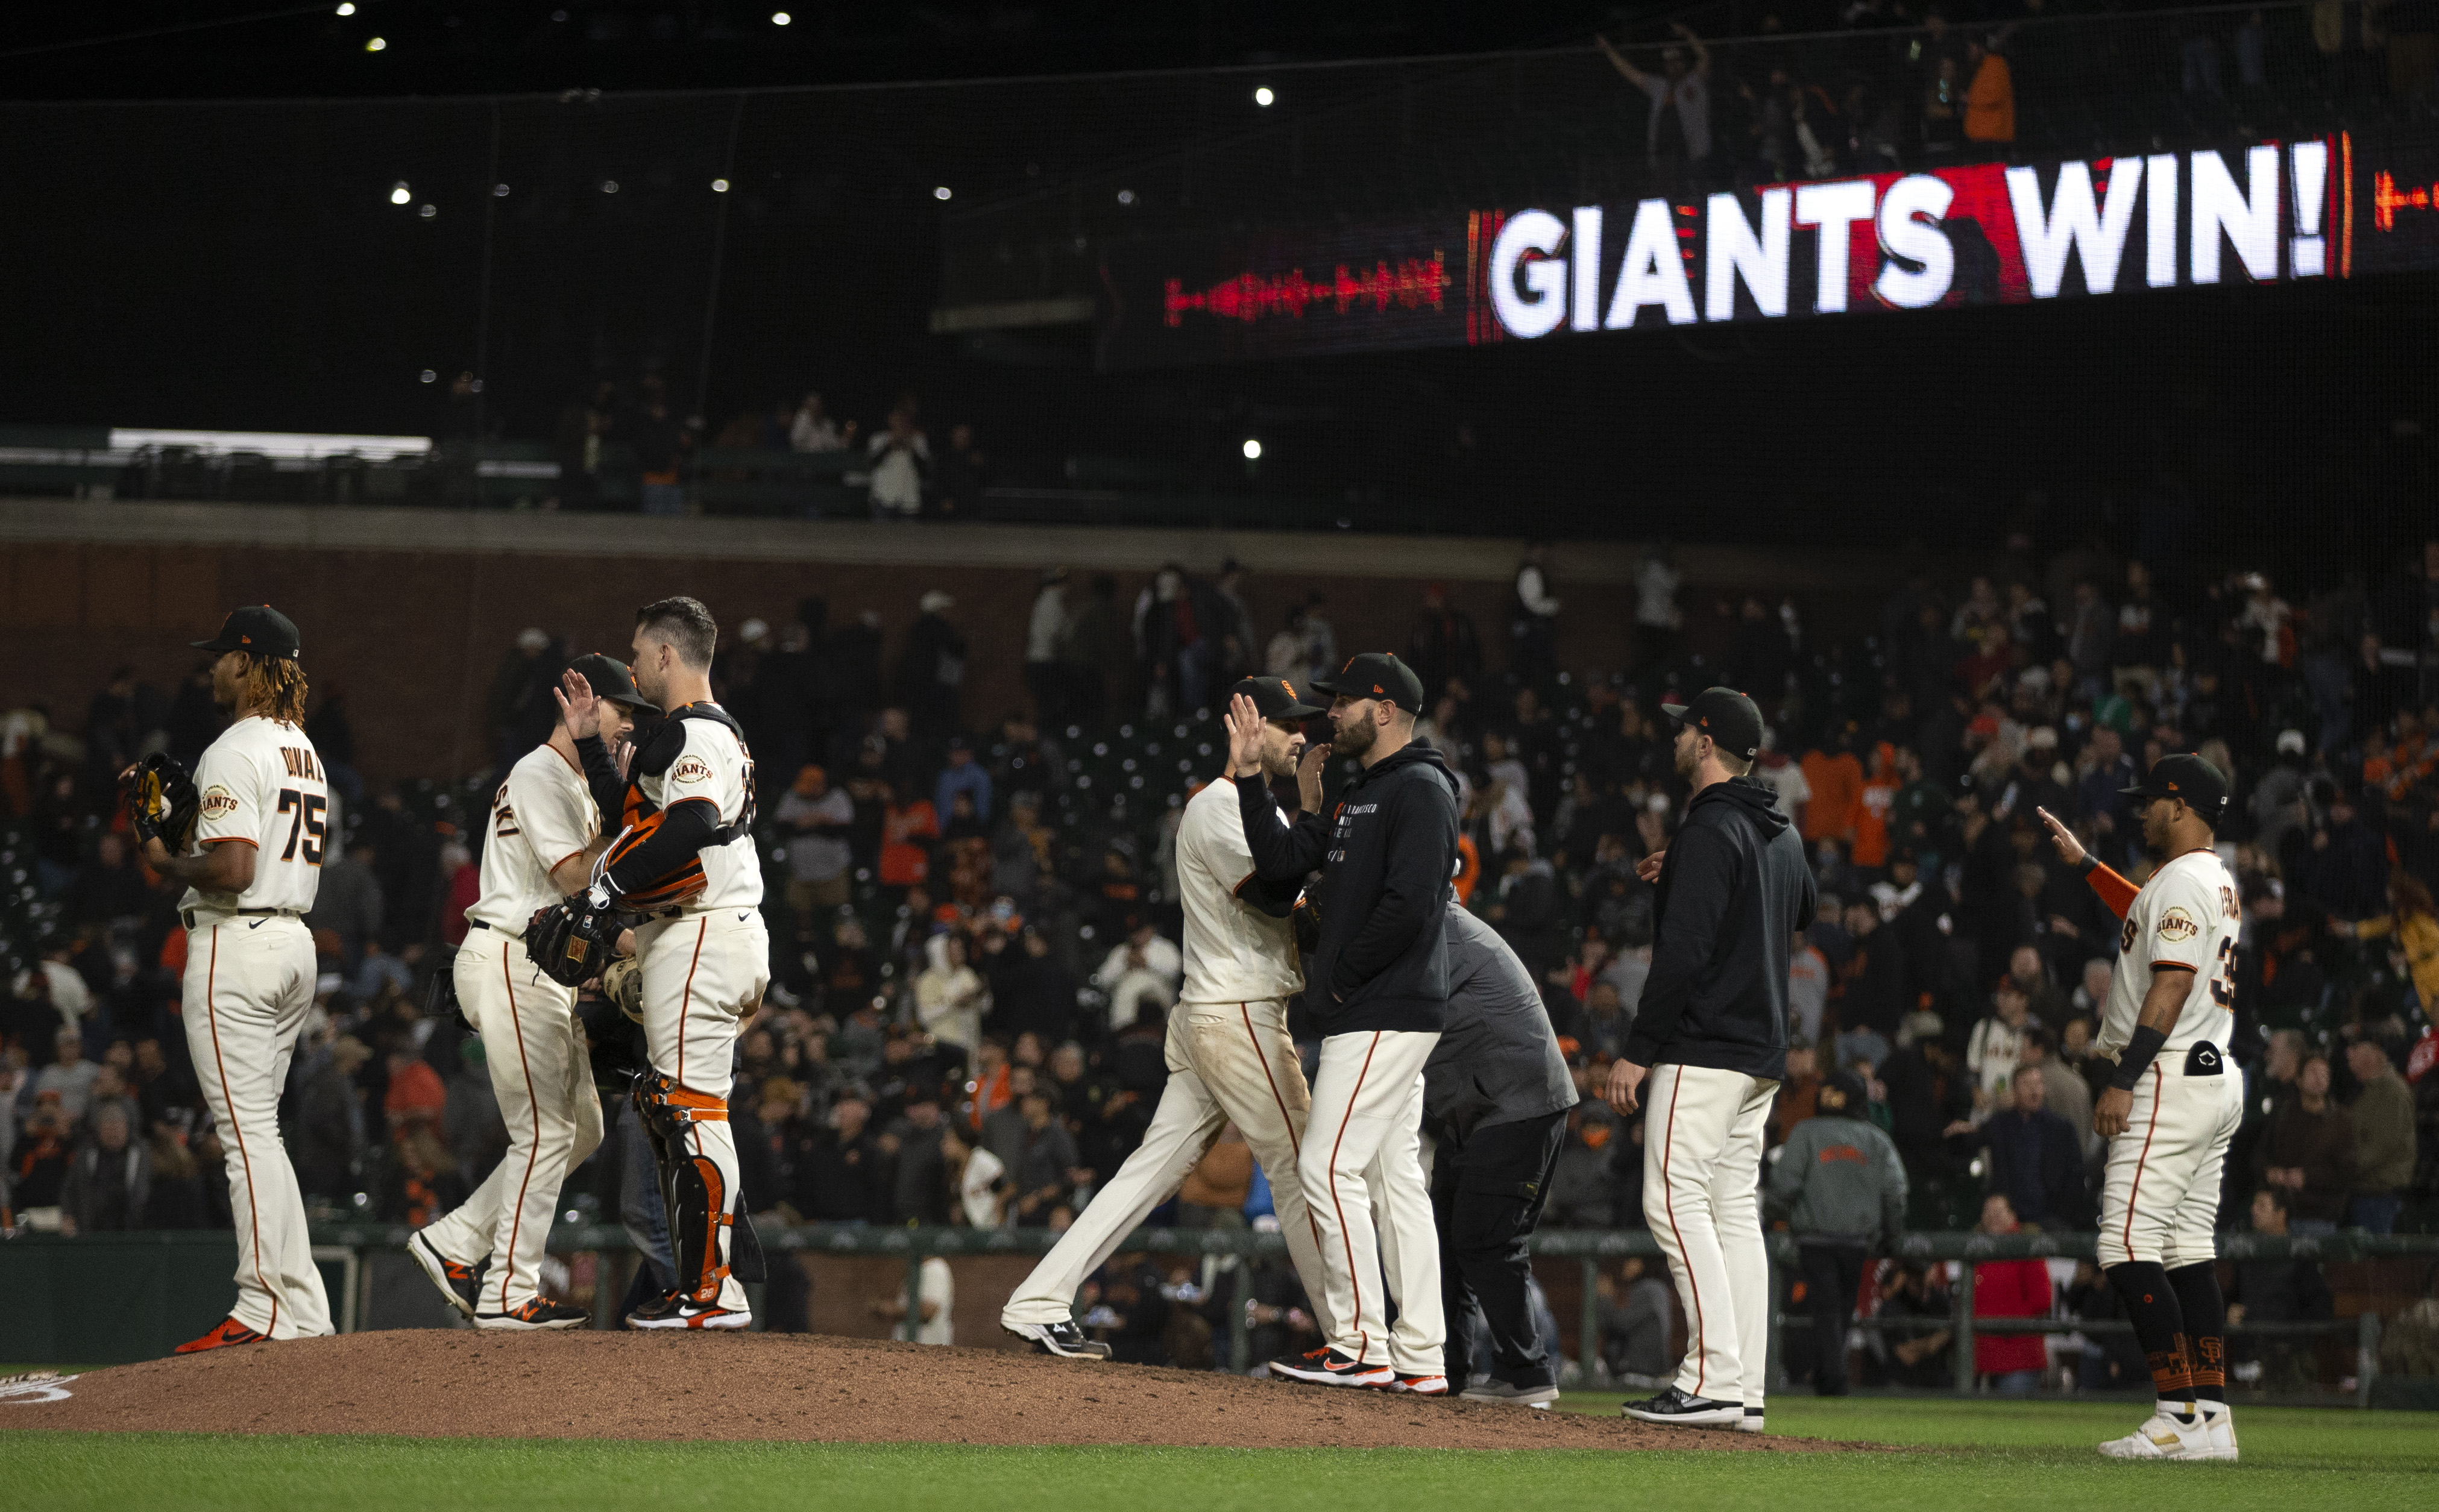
(641,818)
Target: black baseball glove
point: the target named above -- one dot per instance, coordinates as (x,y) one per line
(162,802)
(573,939)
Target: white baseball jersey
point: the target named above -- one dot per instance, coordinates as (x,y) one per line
(1233,952)
(714,766)
(541,816)
(2186,915)
(261,786)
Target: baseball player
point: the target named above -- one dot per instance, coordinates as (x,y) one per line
(685,873)
(2173,1105)
(545,833)
(1379,987)
(260,830)
(1230,1058)
(1711,1035)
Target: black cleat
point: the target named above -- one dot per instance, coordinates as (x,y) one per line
(676,1309)
(1328,1368)
(1064,1339)
(457,1283)
(1675,1407)
(536,1313)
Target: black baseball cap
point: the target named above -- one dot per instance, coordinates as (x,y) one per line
(259,629)
(1731,719)
(1375,675)
(2184,774)
(1274,697)
(610,678)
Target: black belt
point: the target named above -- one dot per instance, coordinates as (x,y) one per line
(189,915)
(476,923)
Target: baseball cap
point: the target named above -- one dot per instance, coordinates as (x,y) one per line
(2184,774)
(1375,675)
(258,628)
(1842,1092)
(608,677)
(1274,697)
(1728,716)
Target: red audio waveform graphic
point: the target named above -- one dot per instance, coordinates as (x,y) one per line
(2386,199)
(1410,283)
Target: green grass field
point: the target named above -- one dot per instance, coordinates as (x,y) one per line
(1972,1455)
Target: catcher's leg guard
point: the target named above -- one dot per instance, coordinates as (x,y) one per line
(693,1188)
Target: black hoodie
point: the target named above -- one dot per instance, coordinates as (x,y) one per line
(1388,853)
(1733,893)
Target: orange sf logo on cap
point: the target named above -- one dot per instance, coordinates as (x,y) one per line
(1287,686)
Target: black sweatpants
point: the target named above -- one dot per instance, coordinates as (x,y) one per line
(1487,1193)
(1833,1270)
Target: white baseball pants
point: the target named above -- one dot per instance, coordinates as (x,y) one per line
(703,975)
(249,982)
(544,1078)
(1366,1116)
(1227,1063)
(1701,1181)
(2158,1199)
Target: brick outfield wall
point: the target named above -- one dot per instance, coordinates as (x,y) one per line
(413,637)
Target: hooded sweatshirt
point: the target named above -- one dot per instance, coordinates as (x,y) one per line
(1387,853)
(1733,893)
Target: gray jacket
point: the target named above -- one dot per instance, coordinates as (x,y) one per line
(1497,1059)
(1839,1178)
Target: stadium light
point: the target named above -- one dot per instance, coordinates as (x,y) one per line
(1263,96)
(499,192)
(400,194)
(1126,196)
(940,193)
(428,376)
(428,211)
(719,186)
(374,44)
(780,18)
(608,186)
(1253,450)
(347,8)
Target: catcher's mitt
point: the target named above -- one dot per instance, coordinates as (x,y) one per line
(572,940)
(622,983)
(162,802)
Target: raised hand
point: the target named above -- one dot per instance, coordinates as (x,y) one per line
(1245,724)
(2069,848)
(577,708)
(1309,778)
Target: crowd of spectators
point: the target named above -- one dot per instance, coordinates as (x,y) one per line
(976,946)
(1833,88)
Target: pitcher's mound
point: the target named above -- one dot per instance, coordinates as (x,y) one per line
(435,1382)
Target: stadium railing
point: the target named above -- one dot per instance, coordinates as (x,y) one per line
(166,1275)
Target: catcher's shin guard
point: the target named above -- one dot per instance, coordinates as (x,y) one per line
(693,1189)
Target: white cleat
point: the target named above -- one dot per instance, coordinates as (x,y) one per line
(2161,1437)
(2220,1423)
(1753,1421)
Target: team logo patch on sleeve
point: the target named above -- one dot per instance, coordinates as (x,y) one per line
(218,802)
(691,769)
(2177,926)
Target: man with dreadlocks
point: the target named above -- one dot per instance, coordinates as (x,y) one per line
(251,863)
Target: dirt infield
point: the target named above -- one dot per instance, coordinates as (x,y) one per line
(443,1383)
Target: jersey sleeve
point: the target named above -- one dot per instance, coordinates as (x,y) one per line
(2174,927)
(710,768)
(552,814)
(230,806)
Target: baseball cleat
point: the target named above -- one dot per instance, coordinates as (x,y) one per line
(457,1282)
(228,1331)
(1421,1383)
(1510,1394)
(1064,1339)
(537,1312)
(2221,1424)
(1753,1421)
(2163,1437)
(1675,1407)
(1328,1368)
(676,1310)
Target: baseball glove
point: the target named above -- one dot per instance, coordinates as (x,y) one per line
(162,802)
(570,941)
(622,983)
